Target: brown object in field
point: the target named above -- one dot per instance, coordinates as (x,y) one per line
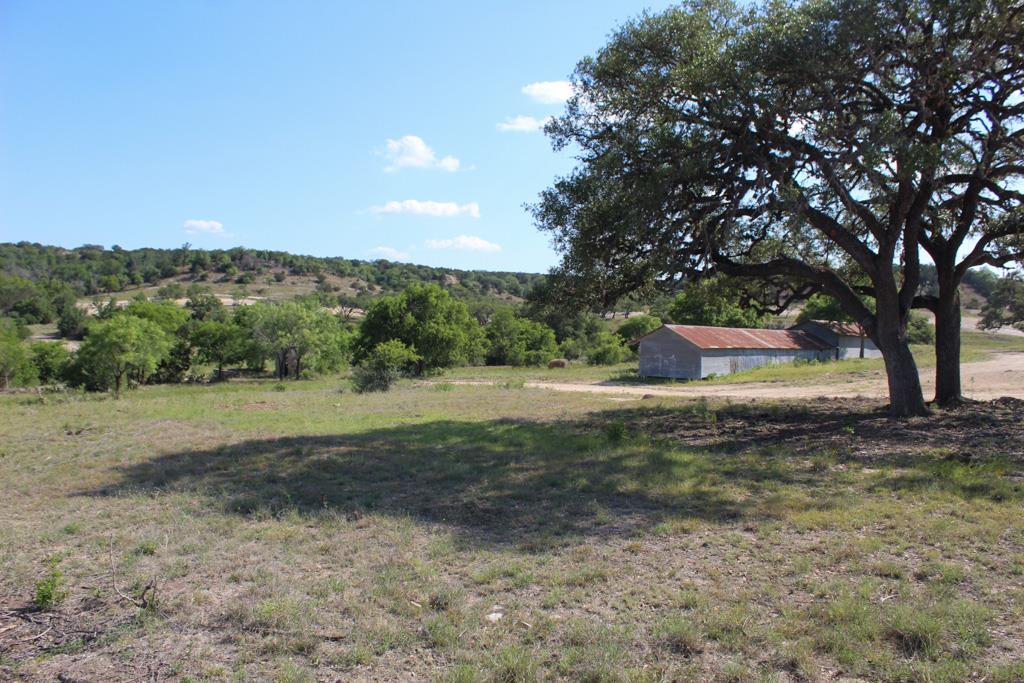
(558,363)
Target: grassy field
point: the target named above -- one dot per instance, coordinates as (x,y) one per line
(256,531)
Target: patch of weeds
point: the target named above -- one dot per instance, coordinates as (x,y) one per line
(442,386)
(71,529)
(731,627)
(279,387)
(460,673)
(145,548)
(735,672)
(513,664)
(583,576)
(1006,673)
(516,573)
(50,590)
(680,635)
(913,631)
(888,569)
(945,573)
(359,655)
(441,632)
(513,384)
(290,672)
(444,599)
(615,432)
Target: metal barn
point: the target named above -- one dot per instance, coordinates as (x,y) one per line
(695,352)
(847,339)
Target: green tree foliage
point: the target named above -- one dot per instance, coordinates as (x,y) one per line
(714,301)
(638,326)
(429,321)
(512,340)
(383,366)
(73,323)
(120,349)
(299,336)
(920,329)
(23,299)
(173,320)
(206,306)
(819,143)
(16,367)
(218,342)
(1005,307)
(822,307)
(606,349)
(51,361)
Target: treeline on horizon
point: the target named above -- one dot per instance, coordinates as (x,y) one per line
(92,270)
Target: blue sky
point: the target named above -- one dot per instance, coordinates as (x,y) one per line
(404,130)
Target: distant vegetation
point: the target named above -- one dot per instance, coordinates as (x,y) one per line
(159,316)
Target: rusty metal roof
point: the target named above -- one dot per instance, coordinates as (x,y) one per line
(746,338)
(841,328)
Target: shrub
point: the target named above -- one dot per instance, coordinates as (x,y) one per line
(383,366)
(50,360)
(607,349)
(920,330)
(50,589)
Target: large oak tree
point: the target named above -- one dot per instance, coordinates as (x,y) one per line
(804,146)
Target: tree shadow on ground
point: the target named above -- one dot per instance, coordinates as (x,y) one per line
(532,483)
(848,429)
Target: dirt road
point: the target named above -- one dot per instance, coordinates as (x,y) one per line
(1002,375)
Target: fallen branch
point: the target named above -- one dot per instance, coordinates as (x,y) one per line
(148,596)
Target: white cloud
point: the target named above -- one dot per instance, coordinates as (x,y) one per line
(464,243)
(549,92)
(194,227)
(390,253)
(522,124)
(429,208)
(412,151)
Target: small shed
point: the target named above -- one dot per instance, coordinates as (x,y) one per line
(696,351)
(847,339)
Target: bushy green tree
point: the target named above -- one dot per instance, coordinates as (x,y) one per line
(512,340)
(50,360)
(119,349)
(714,301)
(73,323)
(920,329)
(383,366)
(638,326)
(429,321)
(218,342)
(606,349)
(16,367)
(1005,306)
(299,336)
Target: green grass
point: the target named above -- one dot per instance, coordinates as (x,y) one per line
(312,534)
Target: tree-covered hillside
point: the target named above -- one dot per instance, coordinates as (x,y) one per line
(94,270)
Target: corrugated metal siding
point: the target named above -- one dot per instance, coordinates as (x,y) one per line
(664,354)
(727,361)
(744,338)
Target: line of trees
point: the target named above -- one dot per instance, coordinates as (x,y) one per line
(422,330)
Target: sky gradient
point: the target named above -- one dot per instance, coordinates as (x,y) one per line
(402,130)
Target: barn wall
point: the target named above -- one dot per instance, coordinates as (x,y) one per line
(664,354)
(728,361)
(849,347)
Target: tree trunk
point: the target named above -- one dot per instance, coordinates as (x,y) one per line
(906,398)
(948,391)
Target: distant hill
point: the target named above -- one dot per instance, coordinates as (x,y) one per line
(94,271)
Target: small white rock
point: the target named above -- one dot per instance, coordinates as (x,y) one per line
(494,617)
